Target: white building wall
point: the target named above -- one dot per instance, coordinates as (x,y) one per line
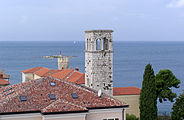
(27,77)
(36,77)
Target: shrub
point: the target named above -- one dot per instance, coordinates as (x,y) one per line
(131,117)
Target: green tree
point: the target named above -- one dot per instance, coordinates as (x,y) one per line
(178,108)
(148,97)
(131,117)
(165,79)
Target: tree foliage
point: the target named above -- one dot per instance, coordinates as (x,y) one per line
(178,108)
(165,79)
(148,97)
(131,117)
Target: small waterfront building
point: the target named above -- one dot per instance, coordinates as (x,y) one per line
(49,98)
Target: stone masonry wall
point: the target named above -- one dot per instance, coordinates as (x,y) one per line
(99,62)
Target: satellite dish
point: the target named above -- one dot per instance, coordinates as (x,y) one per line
(99,93)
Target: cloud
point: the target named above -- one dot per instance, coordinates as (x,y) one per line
(176,4)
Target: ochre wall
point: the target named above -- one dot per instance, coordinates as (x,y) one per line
(132,101)
(104,115)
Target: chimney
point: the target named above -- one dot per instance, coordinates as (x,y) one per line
(1,75)
(77,69)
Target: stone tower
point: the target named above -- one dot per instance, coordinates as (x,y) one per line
(99,60)
(63,62)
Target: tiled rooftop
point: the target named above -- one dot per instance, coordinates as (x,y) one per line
(36,97)
(4,82)
(32,70)
(41,72)
(77,77)
(126,91)
(65,74)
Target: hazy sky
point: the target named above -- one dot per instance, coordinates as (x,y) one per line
(63,20)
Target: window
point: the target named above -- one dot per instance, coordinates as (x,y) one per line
(105,43)
(74,95)
(52,97)
(52,84)
(23,98)
(98,44)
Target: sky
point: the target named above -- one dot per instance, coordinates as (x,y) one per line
(66,20)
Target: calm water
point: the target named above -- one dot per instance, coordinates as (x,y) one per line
(130,58)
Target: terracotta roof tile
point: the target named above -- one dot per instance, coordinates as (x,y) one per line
(4,82)
(77,77)
(63,74)
(32,70)
(51,72)
(126,91)
(41,72)
(37,95)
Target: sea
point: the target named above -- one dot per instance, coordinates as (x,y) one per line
(130,59)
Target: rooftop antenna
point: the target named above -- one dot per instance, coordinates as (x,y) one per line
(99,93)
(63,61)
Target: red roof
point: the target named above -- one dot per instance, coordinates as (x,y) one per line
(41,72)
(63,74)
(32,70)
(126,91)
(77,77)
(4,82)
(36,93)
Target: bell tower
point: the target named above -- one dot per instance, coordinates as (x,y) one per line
(99,60)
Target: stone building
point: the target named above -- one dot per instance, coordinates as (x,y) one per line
(99,60)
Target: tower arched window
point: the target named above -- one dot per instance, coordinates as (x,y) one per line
(98,44)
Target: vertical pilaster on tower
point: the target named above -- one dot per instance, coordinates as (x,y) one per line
(99,60)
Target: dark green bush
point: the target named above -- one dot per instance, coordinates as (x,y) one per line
(131,117)
(164,117)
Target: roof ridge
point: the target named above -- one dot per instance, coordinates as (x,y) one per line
(69,75)
(74,84)
(61,100)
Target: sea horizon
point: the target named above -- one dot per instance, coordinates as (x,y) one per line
(130,59)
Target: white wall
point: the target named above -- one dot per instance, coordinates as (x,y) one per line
(27,77)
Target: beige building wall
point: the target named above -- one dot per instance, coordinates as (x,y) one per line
(71,116)
(27,77)
(36,77)
(132,101)
(102,114)
(28,116)
(97,114)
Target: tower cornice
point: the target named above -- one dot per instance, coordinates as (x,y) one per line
(88,31)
